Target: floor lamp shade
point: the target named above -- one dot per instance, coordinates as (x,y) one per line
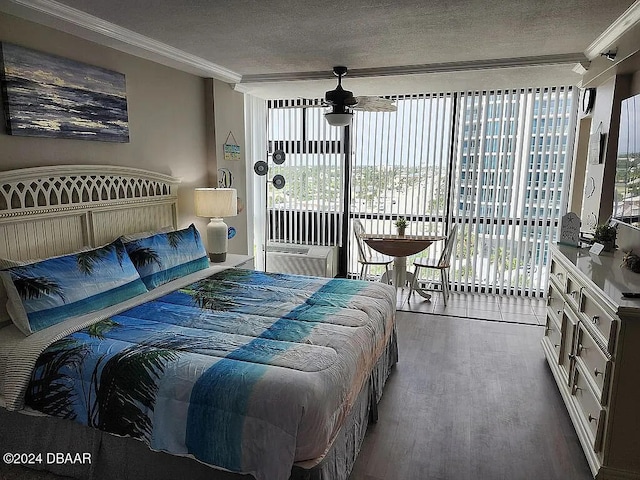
(215,203)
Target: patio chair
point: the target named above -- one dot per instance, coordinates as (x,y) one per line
(443,264)
(366,257)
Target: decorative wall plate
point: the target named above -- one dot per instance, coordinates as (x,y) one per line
(261,167)
(278,157)
(278,181)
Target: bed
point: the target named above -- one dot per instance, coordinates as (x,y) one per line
(190,369)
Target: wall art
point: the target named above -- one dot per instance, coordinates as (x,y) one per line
(45,95)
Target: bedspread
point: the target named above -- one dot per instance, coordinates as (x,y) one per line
(243,370)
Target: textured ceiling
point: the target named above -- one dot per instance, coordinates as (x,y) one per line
(285,37)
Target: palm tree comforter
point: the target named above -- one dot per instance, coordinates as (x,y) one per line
(243,370)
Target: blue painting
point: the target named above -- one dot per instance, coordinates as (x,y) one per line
(49,96)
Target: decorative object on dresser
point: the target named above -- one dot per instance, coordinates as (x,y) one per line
(605,235)
(591,344)
(570,229)
(215,203)
(50,96)
(631,261)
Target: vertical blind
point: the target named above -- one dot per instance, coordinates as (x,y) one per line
(496,163)
(512,154)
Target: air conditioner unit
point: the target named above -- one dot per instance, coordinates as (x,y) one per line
(310,260)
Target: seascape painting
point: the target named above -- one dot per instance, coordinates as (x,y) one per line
(49,96)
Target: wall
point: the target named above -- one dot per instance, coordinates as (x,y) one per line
(166,116)
(228,117)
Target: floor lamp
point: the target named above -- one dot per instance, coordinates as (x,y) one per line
(262,168)
(215,203)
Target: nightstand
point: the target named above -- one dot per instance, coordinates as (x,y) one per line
(236,260)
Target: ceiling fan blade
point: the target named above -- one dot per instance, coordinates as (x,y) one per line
(375,104)
(350,101)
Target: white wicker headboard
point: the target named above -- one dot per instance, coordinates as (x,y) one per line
(46,211)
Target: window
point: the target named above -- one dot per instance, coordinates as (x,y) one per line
(491,162)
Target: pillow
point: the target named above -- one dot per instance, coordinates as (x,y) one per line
(164,257)
(130,237)
(5,319)
(50,291)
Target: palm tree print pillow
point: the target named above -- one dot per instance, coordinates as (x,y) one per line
(50,291)
(166,256)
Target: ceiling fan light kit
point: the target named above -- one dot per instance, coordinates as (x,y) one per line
(338,119)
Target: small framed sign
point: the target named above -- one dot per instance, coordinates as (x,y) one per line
(569,229)
(231,150)
(597,142)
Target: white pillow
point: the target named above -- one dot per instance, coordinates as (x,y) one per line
(5,319)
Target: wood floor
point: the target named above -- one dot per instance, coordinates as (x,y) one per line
(469,399)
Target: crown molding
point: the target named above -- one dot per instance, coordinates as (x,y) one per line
(615,31)
(447,67)
(89,27)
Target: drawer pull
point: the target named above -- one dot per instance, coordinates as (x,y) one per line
(592,418)
(596,372)
(557,345)
(574,293)
(579,349)
(571,356)
(559,312)
(595,319)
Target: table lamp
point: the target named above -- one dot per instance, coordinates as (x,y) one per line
(215,203)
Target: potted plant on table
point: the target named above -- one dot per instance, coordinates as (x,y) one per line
(401,225)
(606,235)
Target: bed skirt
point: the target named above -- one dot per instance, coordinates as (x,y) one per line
(127,458)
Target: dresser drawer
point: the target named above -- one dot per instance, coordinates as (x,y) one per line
(589,409)
(601,323)
(568,330)
(553,336)
(597,365)
(558,272)
(555,302)
(572,290)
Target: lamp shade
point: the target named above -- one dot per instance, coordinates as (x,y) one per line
(338,119)
(216,202)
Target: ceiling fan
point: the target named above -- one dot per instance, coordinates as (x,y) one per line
(342,102)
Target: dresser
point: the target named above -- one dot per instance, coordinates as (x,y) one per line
(592,345)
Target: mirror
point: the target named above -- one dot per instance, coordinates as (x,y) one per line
(626,200)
